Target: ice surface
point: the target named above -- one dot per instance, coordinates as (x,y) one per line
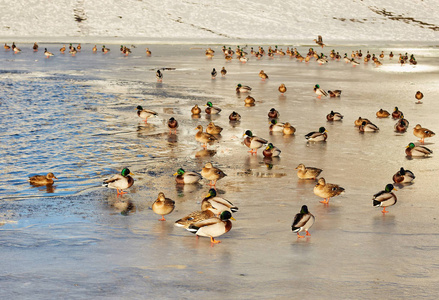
(75,116)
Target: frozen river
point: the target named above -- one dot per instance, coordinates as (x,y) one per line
(76,117)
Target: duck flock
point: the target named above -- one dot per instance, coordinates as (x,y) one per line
(215,215)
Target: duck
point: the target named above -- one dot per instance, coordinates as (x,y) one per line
(249,100)
(360,121)
(355,63)
(212,110)
(273,113)
(120,181)
(213,227)
(317,136)
(401,125)
(94,49)
(288,129)
(346,58)
(319,41)
(276,126)
(196,110)
(382,114)
(422,133)
(217,204)
(145,113)
(204,137)
(403,176)
(105,49)
(73,51)
(172,125)
(263,75)
(42,179)
(35,47)
(307,172)
(234,117)
(63,49)
(327,190)
(213,129)
(282,88)
(253,142)
(396,114)
(243,88)
(334,116)
(189,177)
(320,92)
(148,52)
(419,95)
(163,206)
(385,198)
(243,59)
(368,127)
(303,222)
(7,47)
(212,174)
(213,73)
(47,53)
(413,150)
(194,217)
(79,47)
(334,93)
(223,72)
(159,76)
(15,49)
(271,151)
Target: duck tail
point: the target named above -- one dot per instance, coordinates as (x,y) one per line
(295,229)
(105,183)
(193,228)
(376,203)
(234,209)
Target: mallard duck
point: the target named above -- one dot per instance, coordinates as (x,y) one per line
(360,121)
(271,151)
(302,222)
(422,133)
(79,47)
(276,126)
(243,88)
(396,114)
(413,150)
(15,49)
(213,129)
(223,72)
(354,63)
(120,182)
(159,76)
(172,125)
(385,198)
(327,190)
(212,174)
(403,176)
(307,172)
(73,51)
(194,217)
(317,136)
(249,100)
(204,137)
(196,110)
(234,116)
(419,95)
(213,73)
(263,75)
(390,55)
(105,49)
(334,116)
(35,47)
(163,206)
(148,52)
(94,49)
(47,53)
(320,92)
(7,47)
(63,49)
(145,113)
(319,41)
(288,129)
(368,127)
(42,179)
(273,114)
(253,142)
(382,113)
(334,93)
(282,88)
(212,110)
(213,227)
(401,125)
(346,58)
(217,204)
(244,59)
(184,177)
